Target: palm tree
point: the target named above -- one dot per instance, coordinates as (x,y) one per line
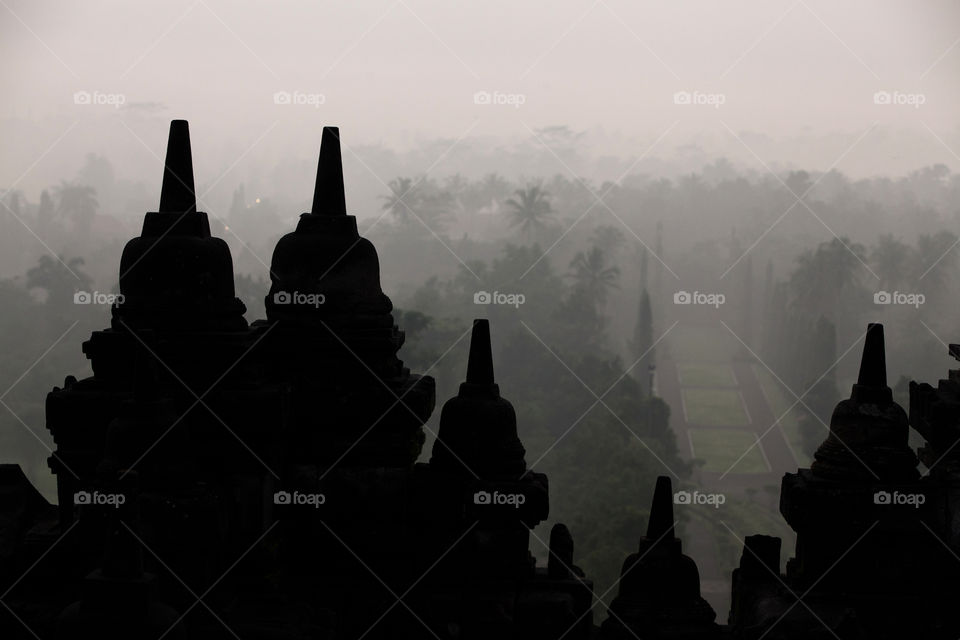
(396,201)
(529,209)
(591,274)
(78,202)
(420,201)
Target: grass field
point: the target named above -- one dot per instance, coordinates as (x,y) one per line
(779,400)
(702,343)
(720,448)
(706,375)
(714,407)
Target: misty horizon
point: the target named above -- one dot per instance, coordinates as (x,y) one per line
(782,87)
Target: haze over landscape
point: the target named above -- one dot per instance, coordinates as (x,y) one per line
(797,79)
(715,197)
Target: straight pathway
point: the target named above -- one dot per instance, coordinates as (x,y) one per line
(778,451)
(699,541)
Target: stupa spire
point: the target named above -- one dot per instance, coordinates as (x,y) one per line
(871,385)
(660,524)
(873,363)
(178,194)
(480,362)
(328,196)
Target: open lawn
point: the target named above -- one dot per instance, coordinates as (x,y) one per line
(714,408)
(721,448)
(705,375)
(779,400)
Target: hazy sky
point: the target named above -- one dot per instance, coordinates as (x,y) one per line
(780,82)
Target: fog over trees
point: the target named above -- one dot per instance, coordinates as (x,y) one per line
(679,218)
(583,299)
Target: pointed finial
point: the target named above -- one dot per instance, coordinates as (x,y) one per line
(178,195)
(328,198)
(873,364)
(871,386)
(480,364)
(661,520)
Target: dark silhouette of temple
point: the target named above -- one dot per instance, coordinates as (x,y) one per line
(224,479)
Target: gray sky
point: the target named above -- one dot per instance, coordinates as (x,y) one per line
(795,82)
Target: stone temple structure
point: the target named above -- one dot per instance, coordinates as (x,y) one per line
(219,478)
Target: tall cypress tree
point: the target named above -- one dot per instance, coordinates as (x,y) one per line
(656,290)
(642,343)
(45,213)
(644,266)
